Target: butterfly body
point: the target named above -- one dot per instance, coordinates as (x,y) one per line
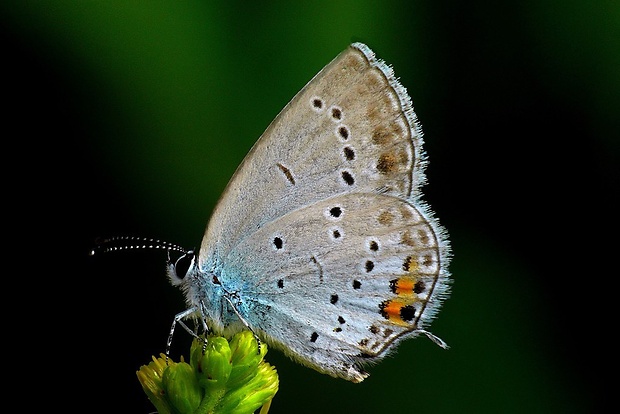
(320,243)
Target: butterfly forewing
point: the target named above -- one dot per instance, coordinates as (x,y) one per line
(346,130)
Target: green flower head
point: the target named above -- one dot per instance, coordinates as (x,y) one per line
(222,377)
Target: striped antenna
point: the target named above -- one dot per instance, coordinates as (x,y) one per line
(105,245)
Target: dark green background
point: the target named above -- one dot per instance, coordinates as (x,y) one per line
(130,117)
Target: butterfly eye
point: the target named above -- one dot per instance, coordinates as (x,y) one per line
(183,264)
(178,270)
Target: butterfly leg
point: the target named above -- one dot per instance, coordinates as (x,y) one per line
(245,323)
(179,319)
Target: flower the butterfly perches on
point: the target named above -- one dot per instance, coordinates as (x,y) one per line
(221,377)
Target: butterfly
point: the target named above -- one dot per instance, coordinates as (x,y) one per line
(321,244)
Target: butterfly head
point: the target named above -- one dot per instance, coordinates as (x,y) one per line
(180,270)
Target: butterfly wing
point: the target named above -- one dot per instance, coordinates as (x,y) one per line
(338,282)
(320,239)
(351,128)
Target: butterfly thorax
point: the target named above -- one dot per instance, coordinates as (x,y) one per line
(205,293)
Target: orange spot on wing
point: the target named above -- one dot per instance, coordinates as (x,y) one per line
(398,312)
(404,286)
(392,309)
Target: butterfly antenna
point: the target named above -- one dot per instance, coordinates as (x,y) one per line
(105,245)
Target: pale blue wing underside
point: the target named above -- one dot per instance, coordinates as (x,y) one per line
(320,242)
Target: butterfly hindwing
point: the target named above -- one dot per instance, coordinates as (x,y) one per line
(335,283)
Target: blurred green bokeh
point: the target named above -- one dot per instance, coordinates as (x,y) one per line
(135,114)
